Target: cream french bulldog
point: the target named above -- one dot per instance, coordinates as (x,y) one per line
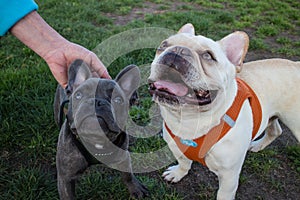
(214,110)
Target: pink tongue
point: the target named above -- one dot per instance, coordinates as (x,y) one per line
(174,88)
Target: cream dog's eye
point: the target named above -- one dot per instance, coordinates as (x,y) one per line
(163,46)
(207,56)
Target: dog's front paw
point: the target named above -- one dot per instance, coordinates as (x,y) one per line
(255,147)
(174,174)
(137,190)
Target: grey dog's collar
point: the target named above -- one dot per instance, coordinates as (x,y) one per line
(88,156)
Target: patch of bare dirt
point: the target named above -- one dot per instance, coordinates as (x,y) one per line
(139,12)
(136,13)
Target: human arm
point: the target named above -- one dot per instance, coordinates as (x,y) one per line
(11,11)
(20,17)
(58,52)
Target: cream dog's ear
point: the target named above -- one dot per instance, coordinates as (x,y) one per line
(187,28)
(235,46)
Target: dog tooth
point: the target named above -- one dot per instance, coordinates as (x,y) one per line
(201,92)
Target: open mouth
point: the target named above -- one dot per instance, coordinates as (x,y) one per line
(179,93)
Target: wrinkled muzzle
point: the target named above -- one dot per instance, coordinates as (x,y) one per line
(95,118)
(176,79)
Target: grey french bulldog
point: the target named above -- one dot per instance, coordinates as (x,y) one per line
(94,129)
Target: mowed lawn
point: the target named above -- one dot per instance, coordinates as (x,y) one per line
(29,134)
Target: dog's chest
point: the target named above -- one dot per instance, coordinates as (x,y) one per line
(196,149)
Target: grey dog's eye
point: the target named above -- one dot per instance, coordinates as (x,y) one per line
(78,95)
(118,100)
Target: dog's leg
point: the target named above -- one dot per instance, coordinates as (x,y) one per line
(136,189)
(272,131)
(227,170)
(69,163)
(291,121)
(228,184)
(177,172)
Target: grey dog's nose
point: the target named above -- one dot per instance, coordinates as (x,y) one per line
(99,103)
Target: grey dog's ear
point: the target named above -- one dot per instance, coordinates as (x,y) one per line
(129,79)
(78,73)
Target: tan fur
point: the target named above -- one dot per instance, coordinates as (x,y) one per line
(275,82)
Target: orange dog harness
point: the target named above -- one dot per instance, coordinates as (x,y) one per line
(196,149)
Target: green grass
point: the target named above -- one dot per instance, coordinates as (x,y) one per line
(28,133)
(294,156)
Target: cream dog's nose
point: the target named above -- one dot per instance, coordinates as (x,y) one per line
(181,50)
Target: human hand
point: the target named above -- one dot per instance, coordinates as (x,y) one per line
(60,58)
(58,52)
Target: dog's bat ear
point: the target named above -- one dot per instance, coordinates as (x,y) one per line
(236,46)
(187,28)
(129,79)
(78,73)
